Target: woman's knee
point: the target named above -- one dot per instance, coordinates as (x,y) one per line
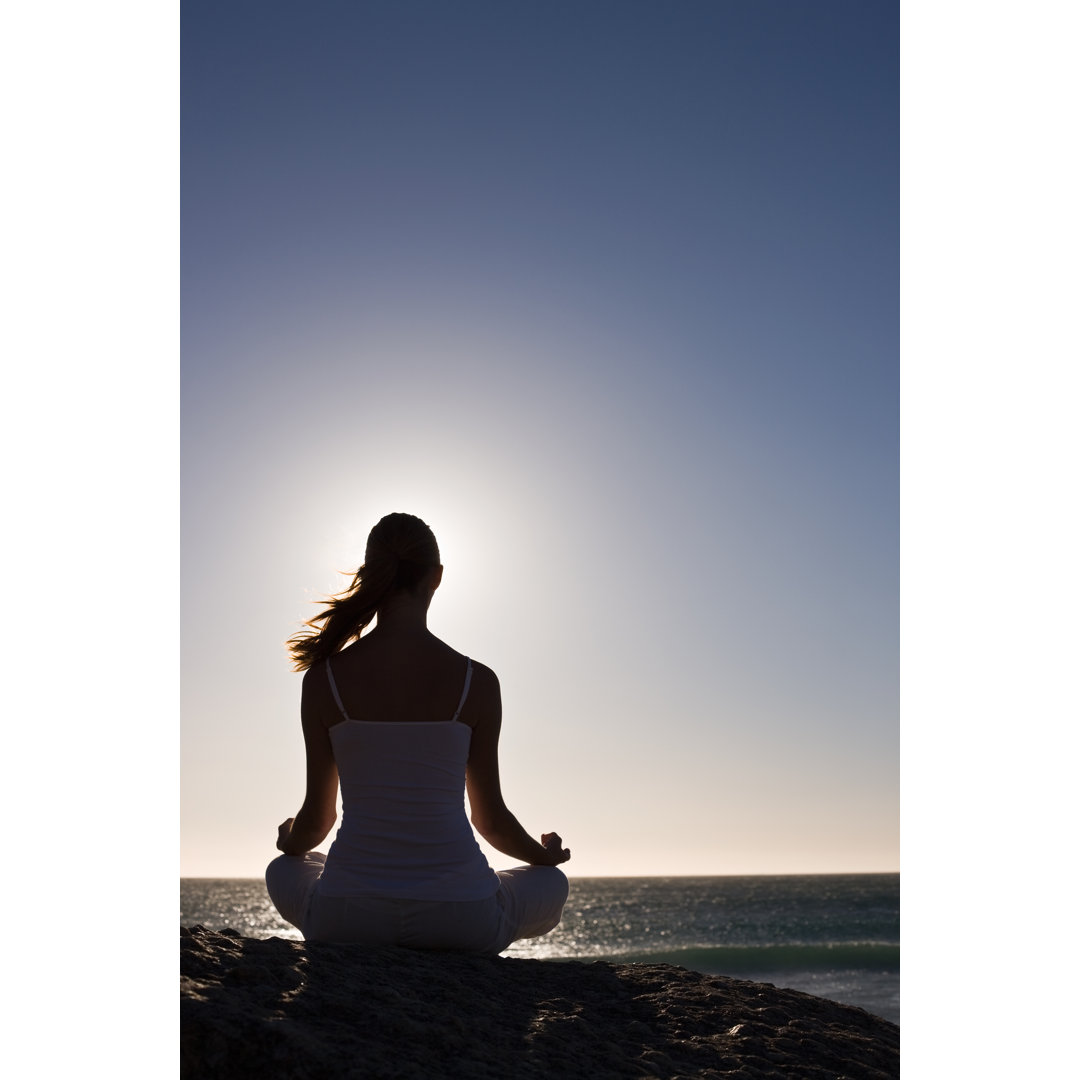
(563,883)
(560,890)
(289,881)
(274,867)
(277,870)
(551,874)
(555,882)
(532,898)
(290,868)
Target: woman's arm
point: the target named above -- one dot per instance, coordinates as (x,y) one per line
(316,817)
(491,817)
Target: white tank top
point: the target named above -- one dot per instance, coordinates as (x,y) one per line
(404,832)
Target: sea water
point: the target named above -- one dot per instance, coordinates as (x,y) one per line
(833,935)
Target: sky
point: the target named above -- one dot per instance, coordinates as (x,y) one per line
(608,294)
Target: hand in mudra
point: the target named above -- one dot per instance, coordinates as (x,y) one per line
(283,832)
(552,842)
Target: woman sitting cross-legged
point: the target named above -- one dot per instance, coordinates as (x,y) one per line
(407,725)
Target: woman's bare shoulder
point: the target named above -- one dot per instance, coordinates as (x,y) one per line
(485,694)
(315,677)
(316,697)
(482,674)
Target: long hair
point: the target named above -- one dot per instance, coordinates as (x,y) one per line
(401,549)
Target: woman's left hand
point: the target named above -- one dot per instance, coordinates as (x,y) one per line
(284,829)
(552,844)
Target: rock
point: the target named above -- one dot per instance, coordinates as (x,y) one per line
(270,1009)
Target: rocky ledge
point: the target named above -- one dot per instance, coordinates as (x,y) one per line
(304,1011)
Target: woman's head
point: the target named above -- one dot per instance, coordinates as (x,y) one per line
(400,550)
(401,553)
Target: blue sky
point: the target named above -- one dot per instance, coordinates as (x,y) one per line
(609,295)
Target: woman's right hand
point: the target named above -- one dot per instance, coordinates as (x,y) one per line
(552,843)
(283,833)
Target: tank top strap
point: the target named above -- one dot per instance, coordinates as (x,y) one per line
(465,690)
(334,690)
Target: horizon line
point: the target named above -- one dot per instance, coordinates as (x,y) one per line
(768,873)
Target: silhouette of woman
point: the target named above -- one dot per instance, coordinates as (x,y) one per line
(407,725)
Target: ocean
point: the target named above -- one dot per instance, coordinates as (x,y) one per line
(833,935)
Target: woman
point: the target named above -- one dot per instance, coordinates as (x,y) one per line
(408,725)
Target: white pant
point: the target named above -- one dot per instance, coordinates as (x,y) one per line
(529,903)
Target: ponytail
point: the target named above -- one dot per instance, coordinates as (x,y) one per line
(401,549)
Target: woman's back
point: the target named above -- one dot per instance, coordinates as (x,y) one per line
(401,752)
(400,678)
